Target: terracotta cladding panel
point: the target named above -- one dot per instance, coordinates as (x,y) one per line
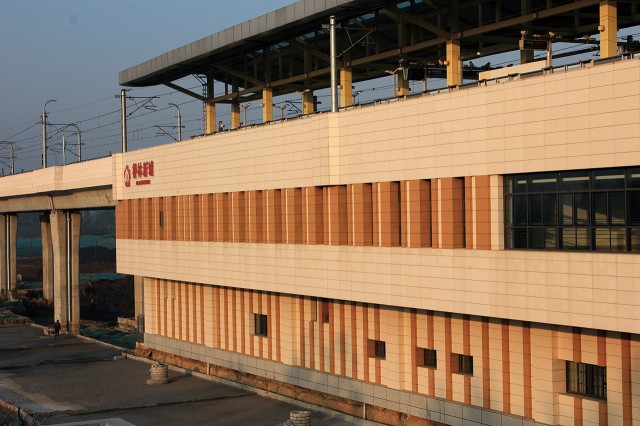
(204,208)
(386,215)
(360,213)
(253,205)
(336,214)
(416,213)
(195,218)
(452,212)
(469,213)
(272,208)
(483,212)
(292,198)
(312,216)
(222,217)
(237,217)
(182,207)
(435,213)
(170,217)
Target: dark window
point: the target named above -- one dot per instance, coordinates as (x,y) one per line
(260,324)
(161,219)
(427,358)
(587,380)
(462,364)
(573,210)
(377,349)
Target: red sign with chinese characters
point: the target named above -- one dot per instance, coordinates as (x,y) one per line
(140,173)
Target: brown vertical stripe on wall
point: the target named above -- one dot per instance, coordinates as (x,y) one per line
(414,347)
(159,316)
(354,341)
(237,217)
(218,318)
(222,217)
(278,320)
(343,336)
(312,341)
(270,336)
(452,214)
(332,343)
(292,229)
(166,307)
(225,324)
(526,361)
(435,214)
(627,399)
(243,325)
(320,323)
(202,323)
(447,350)
(365,341)
(174,321)
(194,293)
(506,368)
(360,214)
(272,222)
(466,345)
(469,184)
(234,319)
(486,367)
(312,216)
(431,344)
(386,214)
(252,350)
(376,333)
(260,339)
(303,343)
(483,212)
(577,357)
(416,213)
(602,361)
(335,214)
(187,314)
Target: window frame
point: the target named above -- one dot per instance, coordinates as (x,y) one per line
(462,364)
(592,377)
(260,325)
(598,217)
(377,349)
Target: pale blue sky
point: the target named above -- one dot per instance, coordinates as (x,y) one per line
(72,51)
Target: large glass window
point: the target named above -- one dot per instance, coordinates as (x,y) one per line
(574,210)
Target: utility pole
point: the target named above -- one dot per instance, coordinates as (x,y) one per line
(334,66)
(123,107)
(179,122)
(64,150)
(244,107)
(44,133)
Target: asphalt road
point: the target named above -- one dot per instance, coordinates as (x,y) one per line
(68,379)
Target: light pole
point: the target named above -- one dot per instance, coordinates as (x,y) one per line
(11,157)
(179,121)
(244,107)
(44,133)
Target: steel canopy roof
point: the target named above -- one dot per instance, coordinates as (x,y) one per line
(288,49)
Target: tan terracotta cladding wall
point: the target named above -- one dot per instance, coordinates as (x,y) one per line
(415,213)
(518,367)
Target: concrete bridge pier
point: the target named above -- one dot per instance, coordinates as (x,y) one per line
(65,239)
(47,258)
(8,246)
